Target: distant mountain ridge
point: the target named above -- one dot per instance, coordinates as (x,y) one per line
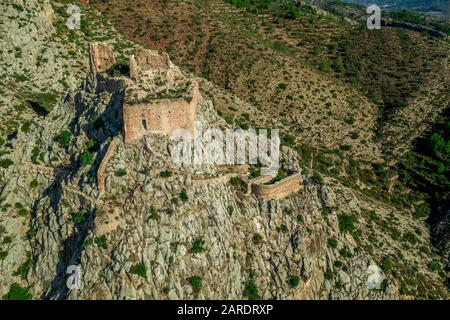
(425,6)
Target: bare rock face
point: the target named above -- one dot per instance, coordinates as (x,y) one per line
(328,197)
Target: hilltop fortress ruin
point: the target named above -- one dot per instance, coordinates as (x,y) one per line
(173,100)
(160,99)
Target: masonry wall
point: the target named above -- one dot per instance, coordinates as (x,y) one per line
(161,116)
(148,59)
(101,57)
(278,190)
(102,168)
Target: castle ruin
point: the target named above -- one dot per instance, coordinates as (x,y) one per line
(158,99)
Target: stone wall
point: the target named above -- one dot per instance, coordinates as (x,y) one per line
(278,190)
(102,168)
(148,60)
(101,57)
(163,116)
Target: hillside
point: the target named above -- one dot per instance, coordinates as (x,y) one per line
(363,118)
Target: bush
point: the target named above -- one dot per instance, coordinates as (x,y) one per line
(422,211)
(25,128)
(328,274)
(386,265)
(166,173)
(198,246)
(64,138)
(5,163)
(139,269)
(293,281)
(238,183)
(22,210)
(16,292)
(153,213)
(434,266)
(251,291)
(3,255)
(346,223)
(34,184)
(332,243)
(87,158)
(288,140)
(318,179)
(121,173)
(79,217)
(257,239)
(196,282)
(184,196)
(350,120)
(281,174)
(101,242)
(22,271)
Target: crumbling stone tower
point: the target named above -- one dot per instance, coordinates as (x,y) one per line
(158,97)
(101,57)
(160,100)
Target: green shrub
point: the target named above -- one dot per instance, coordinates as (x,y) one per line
(332,243)
(350,120)
(288,140)
(328,274)
(293,281)
(16,292)
(434,266)
(87,158)
(139,269)
(25,128)
(121,173)
(22,210)
(184,196)
(230,210)
(281,174)
(153,213)
(422,211)
(101,242)
(5,163)
(79,217)
(196,282)
(64,138)
(410,237)
(238,183)
(386,265)
(3,255)
(165,174)
(347,223)
(198,246)
(34,184)
(318,179)
(257,239)
(284,228)
(251,291)
(23,269)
